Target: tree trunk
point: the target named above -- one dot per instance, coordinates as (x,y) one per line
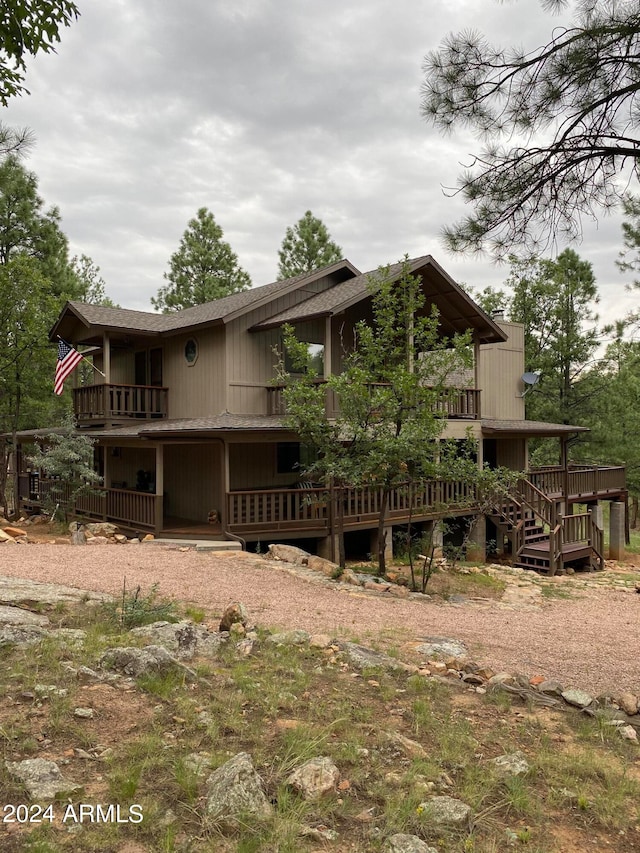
(382,535)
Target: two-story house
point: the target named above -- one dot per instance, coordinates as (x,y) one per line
(190,438)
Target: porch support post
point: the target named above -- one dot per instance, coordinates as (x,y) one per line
(328,547)
(564,461)
(106,354)
(477,546)
(388,542)
(106,467)
(159,503)
(595,510)
(616,530)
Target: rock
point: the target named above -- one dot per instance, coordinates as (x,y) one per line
(442,647)
(102,528)
(23,591)
(184,639)
(98,540)
(401,843)
(198,763)
(320,641)
(49,691)
(314,778)
(319,833)
(135,662)
(629,703)
(399,591)
(551,688)
(42,779)
(18,616)
(411,747)
(628,733)
(362,658)
(578,698)
(236,612)
(287,553)
(15,532)
(289,638)
(234,791)
(120,538)
(350,577)
(83,713)
(78,533)
(319,564)
(514,764)
(445,811)
(21,635)
(148,538)
(4,536)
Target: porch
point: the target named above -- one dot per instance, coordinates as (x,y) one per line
(314,511)
(109,402)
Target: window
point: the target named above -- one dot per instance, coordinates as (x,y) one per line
(315,360)
(292,457)
(191,351)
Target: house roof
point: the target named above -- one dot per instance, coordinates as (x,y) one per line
(222,310)
(457,310)
(492,426)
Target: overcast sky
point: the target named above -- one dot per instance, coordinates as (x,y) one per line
(261,110)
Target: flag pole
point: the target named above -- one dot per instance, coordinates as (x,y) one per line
(90,363)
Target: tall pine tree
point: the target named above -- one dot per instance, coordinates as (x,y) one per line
(203,269)
(307,246)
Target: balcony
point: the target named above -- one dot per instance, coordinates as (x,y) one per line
(119,402)
(451,403)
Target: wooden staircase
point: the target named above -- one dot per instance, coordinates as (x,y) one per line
(542,538)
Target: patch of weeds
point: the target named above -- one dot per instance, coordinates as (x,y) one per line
(554,591)
(196,614)
(161,684)
(134,609)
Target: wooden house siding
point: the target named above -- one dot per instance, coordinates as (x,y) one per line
(250,355)
(499,370)
(193,482)
(254,466)
(198,389)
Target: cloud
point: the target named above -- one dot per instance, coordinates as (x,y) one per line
(258,110)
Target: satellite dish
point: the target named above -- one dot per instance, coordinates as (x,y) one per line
(530,379)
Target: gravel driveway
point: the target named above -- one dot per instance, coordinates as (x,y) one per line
(591,640)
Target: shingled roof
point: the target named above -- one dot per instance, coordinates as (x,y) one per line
(455,307)
(220,310)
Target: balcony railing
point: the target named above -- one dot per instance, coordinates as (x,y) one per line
(579,480)
(451,402)
(101,402)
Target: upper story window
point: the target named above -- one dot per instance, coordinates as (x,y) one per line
(315,360)
(191,351)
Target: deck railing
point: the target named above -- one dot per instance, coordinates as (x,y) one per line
(124,506)
(585,480)
(451,403)
(97,402)
(314,509)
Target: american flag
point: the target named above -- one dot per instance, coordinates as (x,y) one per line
(68,358)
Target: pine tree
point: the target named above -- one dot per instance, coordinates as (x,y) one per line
(203,269)
(307,246)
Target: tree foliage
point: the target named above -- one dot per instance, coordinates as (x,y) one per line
(204,267)
(35,281)
(91,285)
(67,457)
(28,27)
(555,302)
(307,246)
(559,125)
(392,377)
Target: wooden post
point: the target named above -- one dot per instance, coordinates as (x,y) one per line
(159,501)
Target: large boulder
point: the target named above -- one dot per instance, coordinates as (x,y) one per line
(42,779)
(183,639)
(401,843)
(136,662)
(235,793)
